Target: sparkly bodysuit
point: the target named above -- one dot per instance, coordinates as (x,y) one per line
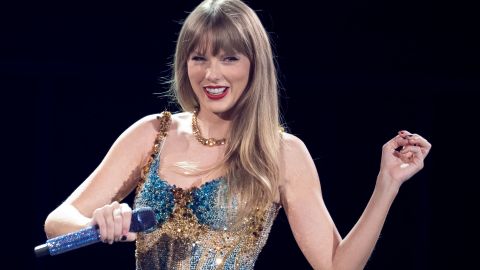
(194,228)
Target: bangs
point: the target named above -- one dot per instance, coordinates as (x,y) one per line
(219,34)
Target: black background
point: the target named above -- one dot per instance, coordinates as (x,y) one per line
(353,73)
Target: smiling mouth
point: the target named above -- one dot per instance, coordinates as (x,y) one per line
(216,92)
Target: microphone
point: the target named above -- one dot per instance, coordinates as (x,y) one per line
(143,218)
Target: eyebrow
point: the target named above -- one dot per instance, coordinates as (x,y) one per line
(221,53)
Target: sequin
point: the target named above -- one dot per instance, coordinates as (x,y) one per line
(194,228)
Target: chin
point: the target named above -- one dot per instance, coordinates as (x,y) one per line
(221,110)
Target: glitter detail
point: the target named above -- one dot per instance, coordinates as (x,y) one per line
(194,229)
(157,194)
(73,240)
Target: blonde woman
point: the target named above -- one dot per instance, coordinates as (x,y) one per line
(217,173)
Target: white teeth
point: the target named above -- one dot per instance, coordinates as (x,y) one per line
(215,91)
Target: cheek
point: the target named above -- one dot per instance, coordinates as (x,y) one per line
(240,75)
(195,74)
(245,72)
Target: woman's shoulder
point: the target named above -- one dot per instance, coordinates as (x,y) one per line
(164,121)
(291,143)
(165,117)
(294,154)
(181,118)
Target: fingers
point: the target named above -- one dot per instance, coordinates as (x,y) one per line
(395,144)
(113,221)
(412,154)
(117,224)
(99,220)
(126,219)
(109,222)
(416,140)
(408,147)
(129,237)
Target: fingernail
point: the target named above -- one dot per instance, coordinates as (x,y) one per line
(124,237)
(410,135)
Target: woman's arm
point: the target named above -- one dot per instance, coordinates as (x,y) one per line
(115,177)
(312,226)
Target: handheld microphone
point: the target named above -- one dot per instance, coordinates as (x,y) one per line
(142,219)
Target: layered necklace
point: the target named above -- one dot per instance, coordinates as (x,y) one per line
(198,134)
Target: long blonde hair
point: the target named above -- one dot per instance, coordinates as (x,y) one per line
(252,151)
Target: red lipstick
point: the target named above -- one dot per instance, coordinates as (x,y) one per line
(213,92)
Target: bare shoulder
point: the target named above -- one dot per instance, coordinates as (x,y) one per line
(296,163)
(151,124)
(181,123)
(293,147)
(145,130)
(141,134)
(182,116)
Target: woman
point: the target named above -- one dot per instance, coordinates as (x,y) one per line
(217,173)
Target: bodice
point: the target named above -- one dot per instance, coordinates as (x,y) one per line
(195,226)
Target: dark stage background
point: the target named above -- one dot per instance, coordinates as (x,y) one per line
(353,73)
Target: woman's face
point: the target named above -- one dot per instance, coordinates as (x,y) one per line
(218,81)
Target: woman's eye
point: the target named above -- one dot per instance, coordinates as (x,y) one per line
(230,59)
(198,58)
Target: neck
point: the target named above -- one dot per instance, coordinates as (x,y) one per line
(213,125)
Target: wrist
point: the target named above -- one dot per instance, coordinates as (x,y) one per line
(386,183)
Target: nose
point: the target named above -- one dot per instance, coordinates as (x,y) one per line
(213,72)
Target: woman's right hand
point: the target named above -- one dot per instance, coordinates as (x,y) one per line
(113,221)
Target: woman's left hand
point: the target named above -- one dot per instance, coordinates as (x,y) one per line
(402,157)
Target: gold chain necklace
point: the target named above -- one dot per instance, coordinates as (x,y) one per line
(198,135)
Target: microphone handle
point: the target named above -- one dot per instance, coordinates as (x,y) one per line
(143,219)
(70,241)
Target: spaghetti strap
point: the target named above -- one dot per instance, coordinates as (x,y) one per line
(164,120)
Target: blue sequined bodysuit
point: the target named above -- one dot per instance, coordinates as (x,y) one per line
(194,225)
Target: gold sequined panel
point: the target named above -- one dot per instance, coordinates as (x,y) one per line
(184,242)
